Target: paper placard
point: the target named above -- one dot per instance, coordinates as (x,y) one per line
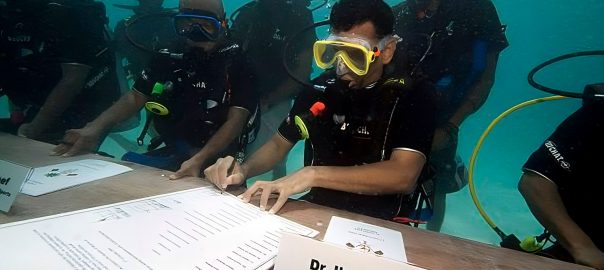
(366,237)
(55,177)
(302,253)
(12,177)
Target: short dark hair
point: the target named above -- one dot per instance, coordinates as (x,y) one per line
(347,13)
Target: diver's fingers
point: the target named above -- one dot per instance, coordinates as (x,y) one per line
(279,203)
(77,149)
(247,195)
(267,190)
(208,173)
(234,179)
(60,150)
(178,174)
(211,174)
(222,170)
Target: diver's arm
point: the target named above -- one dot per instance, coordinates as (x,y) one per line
(399,174)
(127,106)
(267,156)
(545,203)
(477,96)
(229,131)
(88,138)
(59,99)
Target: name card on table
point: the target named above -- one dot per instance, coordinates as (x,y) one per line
(12,177)
(366,238)
(56,177)
(302,253)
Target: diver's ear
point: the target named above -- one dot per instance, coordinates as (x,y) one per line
(388,51)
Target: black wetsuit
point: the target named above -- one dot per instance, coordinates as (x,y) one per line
(35,42)
(571,158)
(204,87)
(378,120)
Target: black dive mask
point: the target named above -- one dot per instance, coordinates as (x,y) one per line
(199,25)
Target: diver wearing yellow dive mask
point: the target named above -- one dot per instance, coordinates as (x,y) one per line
(355,53)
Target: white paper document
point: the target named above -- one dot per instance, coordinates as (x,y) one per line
(194,229)
(366,238)
(61,176)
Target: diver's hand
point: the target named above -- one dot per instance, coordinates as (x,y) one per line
(286,186)
(592,257)
(226,171)
(190,167)
(78,141)
(27,130)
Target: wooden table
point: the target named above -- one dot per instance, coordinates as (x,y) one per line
(427,249)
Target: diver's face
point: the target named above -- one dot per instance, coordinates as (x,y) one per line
(365,31)
(206,46)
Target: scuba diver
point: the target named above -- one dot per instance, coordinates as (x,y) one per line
(562,179)
(367,135)
(262,27)
(155,33)
(202,100)
(56,66)
(455,44)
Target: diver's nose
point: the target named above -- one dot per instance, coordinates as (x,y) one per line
(341,68)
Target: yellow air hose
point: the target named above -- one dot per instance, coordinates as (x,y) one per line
(479,145)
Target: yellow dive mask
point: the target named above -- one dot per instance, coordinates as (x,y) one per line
(357,54)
